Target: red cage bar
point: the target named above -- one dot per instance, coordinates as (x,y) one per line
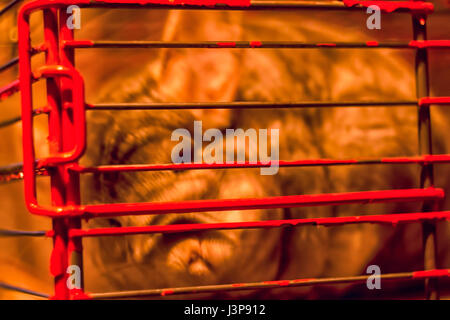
(66,107)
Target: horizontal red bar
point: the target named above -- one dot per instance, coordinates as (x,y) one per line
(247,105)
(435,273)
(265,105)
(385,6)
(118,209)
(333,221)
(207,3)
(444,158)
(434,100)
(432,44)
(431,274)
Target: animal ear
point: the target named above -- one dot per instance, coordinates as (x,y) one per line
(201,75)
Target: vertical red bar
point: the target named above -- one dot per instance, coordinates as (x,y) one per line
(425,147)
(64,184)
(71,179)
(58,263)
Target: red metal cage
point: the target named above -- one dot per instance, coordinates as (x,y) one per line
(66,111)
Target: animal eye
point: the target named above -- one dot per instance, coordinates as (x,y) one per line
(114,223)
